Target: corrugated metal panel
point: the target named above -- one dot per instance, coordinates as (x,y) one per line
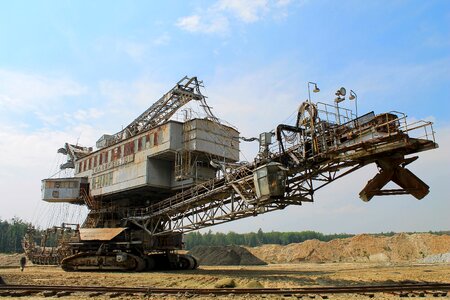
(213,138)
(99,234)
(123,174)
(62,189)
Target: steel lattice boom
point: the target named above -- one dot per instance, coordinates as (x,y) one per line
(234,195)
(158,178)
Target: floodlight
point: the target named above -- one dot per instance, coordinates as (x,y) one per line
(316,89)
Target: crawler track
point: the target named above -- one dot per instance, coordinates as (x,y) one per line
(436,289)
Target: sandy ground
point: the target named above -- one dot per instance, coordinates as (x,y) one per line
(275,275)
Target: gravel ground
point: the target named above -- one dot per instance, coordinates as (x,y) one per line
(291,275)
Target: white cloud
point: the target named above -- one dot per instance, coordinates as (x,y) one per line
(27,158)
(124,101)
(163,39)
(136,51)
(391,86)
(25,91)
(140,92)
(255,102)
(83,115)
(204,24)
(282,3)
(246,11)
(29,154)
(376,78)
(190,23)
(215,19)
(24,150)
(48,119)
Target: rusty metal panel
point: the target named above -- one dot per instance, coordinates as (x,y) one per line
(99,234)
(62,189)
(393,170)
(130,170)
(210,137)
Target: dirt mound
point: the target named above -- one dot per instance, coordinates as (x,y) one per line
(225,256)
(437,258)
(11,260)
(360,248)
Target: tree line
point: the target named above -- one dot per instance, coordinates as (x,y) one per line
(254,239)
(11,235)
(13,231)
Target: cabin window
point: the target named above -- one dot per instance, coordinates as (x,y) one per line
(115,153)
(138,144)
(141,143)
(147,141)
(61,184)
(132,147)
(128,148)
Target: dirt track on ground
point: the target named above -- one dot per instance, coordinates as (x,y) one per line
(288,275)
(362,259)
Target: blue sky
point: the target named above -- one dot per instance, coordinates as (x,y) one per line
(73,70)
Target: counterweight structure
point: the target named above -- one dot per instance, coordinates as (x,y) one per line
(158,178)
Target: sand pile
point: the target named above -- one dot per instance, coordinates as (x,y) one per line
(361,248)
(11,260)
(225,256)
(437,258)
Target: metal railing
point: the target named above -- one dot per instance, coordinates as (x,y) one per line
(420,129)
(334,114)
(332,136)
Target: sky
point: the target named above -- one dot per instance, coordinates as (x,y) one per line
(71,71)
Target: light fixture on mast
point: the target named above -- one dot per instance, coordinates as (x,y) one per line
(315,90)
(353,96)
(340,93)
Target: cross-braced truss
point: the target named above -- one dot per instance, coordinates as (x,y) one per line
(185,90)
(233,196)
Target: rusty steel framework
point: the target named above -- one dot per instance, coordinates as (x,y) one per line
(234,195)
(325,143)
(187,89)
(44,254)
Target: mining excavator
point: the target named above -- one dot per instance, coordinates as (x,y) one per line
(163,175)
